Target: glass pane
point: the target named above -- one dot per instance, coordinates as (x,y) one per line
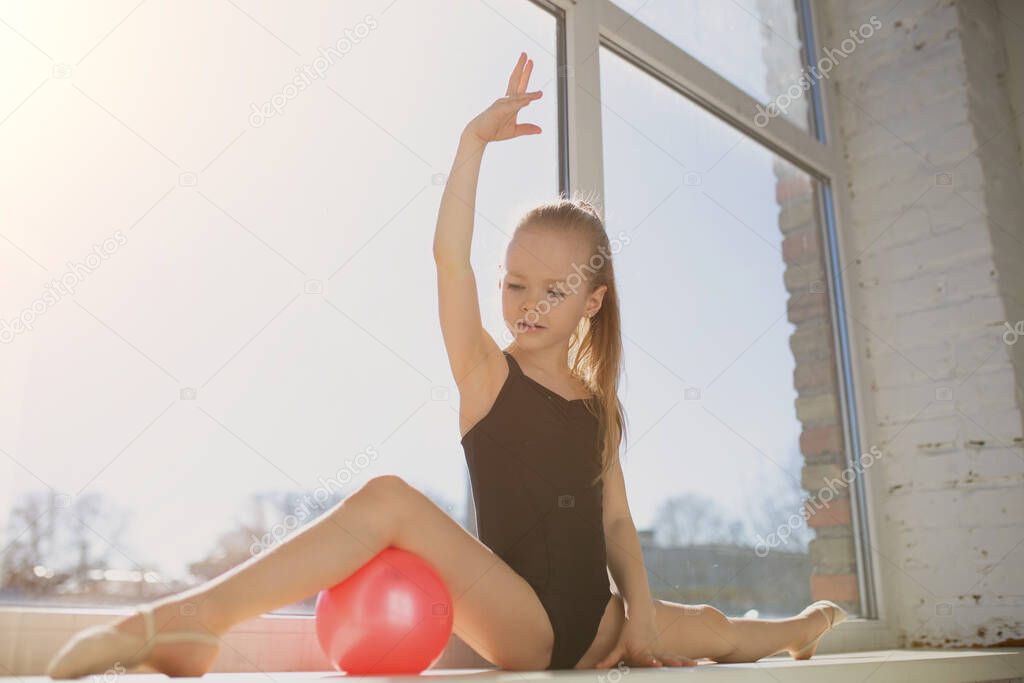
(251,269)
(730,385)
(756,44)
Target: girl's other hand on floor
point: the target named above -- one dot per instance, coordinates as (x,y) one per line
(498,121)
(638,646)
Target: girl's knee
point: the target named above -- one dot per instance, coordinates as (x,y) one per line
(714,614)
(384,485)
(383,492)
(708,615)
(381,504)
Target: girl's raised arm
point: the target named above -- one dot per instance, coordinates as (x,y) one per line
(466,340)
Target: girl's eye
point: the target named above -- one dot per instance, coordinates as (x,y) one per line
(560,295)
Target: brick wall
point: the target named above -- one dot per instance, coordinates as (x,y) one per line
(934,243)
(832,550)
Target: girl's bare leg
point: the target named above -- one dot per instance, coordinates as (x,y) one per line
(701,631)
(495,610)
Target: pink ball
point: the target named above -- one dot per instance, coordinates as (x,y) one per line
(391,616)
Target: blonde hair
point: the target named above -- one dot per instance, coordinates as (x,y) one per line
(595,346)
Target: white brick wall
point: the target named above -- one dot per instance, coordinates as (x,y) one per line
(936,269)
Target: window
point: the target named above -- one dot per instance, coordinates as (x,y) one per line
(253,329)
(756,45)
(245,215)
(730,384)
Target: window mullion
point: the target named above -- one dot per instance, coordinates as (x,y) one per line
(583,99)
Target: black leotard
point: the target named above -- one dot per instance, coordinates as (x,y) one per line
(531,459)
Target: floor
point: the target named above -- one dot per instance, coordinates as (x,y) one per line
(883,666)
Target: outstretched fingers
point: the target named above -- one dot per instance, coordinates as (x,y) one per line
(522,99)
(513,80)
(524,79)
(513,105)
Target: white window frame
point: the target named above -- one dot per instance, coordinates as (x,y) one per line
(32,634)
(594,23)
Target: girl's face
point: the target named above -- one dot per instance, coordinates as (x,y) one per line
(546,286)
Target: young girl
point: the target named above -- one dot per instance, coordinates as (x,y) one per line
(541,437)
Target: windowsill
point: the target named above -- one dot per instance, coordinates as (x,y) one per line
(29,637)
(880,666)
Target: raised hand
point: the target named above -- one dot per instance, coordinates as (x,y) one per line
(498,121)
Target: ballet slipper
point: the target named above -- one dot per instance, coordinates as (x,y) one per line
(832,612)
(98,649)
